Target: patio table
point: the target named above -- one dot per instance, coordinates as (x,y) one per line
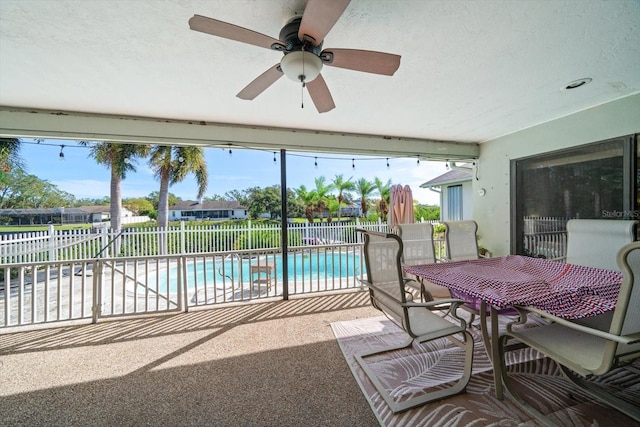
(493,285)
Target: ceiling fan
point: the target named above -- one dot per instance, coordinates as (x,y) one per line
(300,41)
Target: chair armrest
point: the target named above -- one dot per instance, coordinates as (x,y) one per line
(412,284)
(379,289)
(451,306)
(622,339)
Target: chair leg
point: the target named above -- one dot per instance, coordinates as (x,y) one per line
(598,393)
(458,387)
(583,384)
(515,396)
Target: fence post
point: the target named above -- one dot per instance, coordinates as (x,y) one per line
(52,243)
(105,241)
(183,247)
(96,306)
(249,242)
(306,230)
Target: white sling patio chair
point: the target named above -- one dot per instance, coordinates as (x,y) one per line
(461,240)
(388,294)
(418,248)
(590,348)
(462,245)
(595,242)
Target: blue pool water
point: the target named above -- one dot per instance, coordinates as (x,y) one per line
(301,266)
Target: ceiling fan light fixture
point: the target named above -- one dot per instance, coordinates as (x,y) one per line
(301,66)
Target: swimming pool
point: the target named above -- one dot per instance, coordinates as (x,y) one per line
(234,270)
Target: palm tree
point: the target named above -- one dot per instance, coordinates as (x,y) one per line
(384,190)
(364,189)
(172,165)
(308,198)
(321,191)
(341,185)
(333,206)
(119,158)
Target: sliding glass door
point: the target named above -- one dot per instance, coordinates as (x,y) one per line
(598,180)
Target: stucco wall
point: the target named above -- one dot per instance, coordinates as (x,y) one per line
(492,211)
(467,200)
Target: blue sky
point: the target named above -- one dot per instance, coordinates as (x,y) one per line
(81,176)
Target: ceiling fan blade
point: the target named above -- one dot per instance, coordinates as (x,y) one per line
(318,18)
(367,61)
(232,32)
(320,95)
(261,83)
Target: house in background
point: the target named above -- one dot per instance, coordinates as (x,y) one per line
(102,213)
(62,215)
(455,189)
(351,209)
(190,210)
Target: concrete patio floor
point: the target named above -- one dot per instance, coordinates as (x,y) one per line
(261,364)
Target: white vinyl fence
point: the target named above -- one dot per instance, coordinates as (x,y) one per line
(83,244)
(55,276)
(545,237)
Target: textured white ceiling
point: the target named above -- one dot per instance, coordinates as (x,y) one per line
(470,70)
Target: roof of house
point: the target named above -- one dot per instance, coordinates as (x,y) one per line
(448,178)
(95,209)
(207,205)
(41,211)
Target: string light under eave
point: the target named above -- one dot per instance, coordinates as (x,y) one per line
(61,155)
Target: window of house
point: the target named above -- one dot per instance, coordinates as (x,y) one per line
(593,181)
(454,203)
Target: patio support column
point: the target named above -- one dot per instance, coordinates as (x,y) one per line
(284,225)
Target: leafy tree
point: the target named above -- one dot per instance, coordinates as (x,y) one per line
(265,200)
(241,197)
(93,202)
(364,189)
(295,207)
(342,185)
(9,158)
(429,213)
(140,206)
(25,191)
(215,198)
(120,159)
(154,197)
(172,165)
